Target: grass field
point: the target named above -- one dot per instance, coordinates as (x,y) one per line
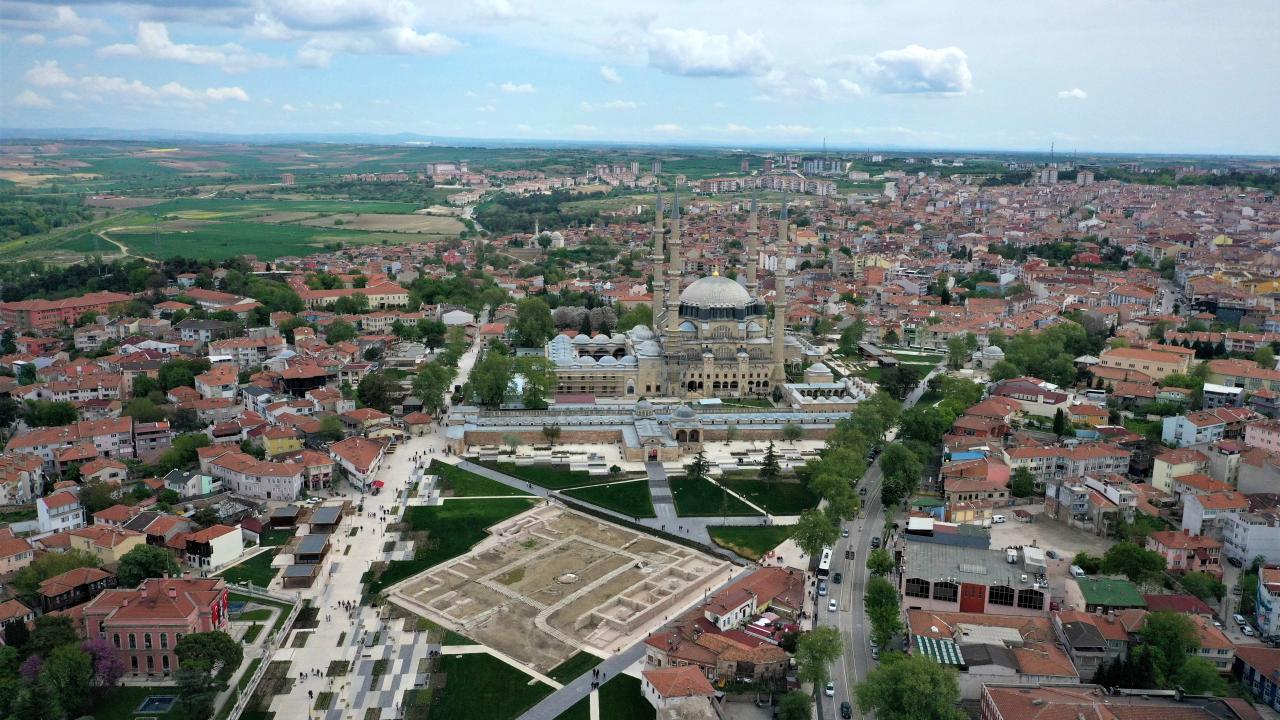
(482,687)
(548,476)
(620,699)
(573,667)
(121,701)
(750,542)
(219,240)
(465,483)
(703,498)
(223,208)
(256,570)
(779,498)
(629,498)
(453,528)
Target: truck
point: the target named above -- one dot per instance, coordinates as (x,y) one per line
(1011,555)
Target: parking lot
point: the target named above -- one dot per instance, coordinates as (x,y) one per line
(1047,534)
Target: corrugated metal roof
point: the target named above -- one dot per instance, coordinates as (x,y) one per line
(945,652)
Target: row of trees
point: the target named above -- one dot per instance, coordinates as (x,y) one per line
(491,378)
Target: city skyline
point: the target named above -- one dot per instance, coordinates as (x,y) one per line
(1156,78)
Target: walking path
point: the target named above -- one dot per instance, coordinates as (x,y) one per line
(660,490)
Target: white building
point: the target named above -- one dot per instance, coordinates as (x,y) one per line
(214,547)
(1246,535)
(58,512)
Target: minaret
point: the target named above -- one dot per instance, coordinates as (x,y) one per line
(779,328)
(658,265)
(676,267)
(753,247)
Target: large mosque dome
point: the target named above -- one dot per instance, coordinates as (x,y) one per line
(716,291)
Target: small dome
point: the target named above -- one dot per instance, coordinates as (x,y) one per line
(649,348)
(600,339)
(586,361)
(993,351)
(627,360)
(716,291)
(818,368)
(607,360)
(641,332)
(581,340)
(684,412)
(564,361)
(643,404)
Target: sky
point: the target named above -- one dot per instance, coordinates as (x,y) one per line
(1177,76)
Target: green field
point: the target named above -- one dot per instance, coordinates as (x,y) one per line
(750,542)
(703,498)
(256,570)
(482,687)
(778,498)
(573,667)
(620,699)
(465,483)
(452,528)
(226,208)
(548,476)
(630,498)
(218,240)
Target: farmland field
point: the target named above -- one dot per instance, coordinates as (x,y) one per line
(382,222)
(225,208)
(221,240)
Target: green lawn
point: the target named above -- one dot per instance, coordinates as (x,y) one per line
(629,498)
(231,208)
(621,699)
(465,483)
(750,542)
(482,687)
(256,570)
(573,667)
(254,615)
(580,710)
(275,537)
(454,528)
(284,608)
(548,476)
(779,498)
(121,701)
(699,498)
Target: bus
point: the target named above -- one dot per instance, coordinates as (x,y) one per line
(824,565)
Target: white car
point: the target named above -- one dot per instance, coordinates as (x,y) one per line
(1248,631)
(830,690)
(997,518)
(832,606)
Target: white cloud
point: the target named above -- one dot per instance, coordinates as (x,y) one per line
(610,105)
(1073,94)
(700,53)
(318,51)
(667,128)
(47,74)
(517,88)
(62,18)
(778,84)
(152,41)
(288,108)
(487,108)
(610,75)
(916,69)
(407,41)
(71,41)
(32,39)
(227,93)
(28,98)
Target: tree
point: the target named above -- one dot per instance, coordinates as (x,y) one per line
(108,663)
(185,420)
(8,346)
(16,635)
(1059,422)
(911,687)
(331,428)
(902,471)
(539,381)
(927,424)
(196,691)
(1199,677)
(146,561)
(815,651)
(1265,357)
(792,432)
(353,304)
(814,531)
(1088,563)
(490,379)
(769,468)
(45,413)
(532,326)
(1003,370)
(883,610)
(957,352)
(1135,563)
(637,314)
(51,632)
(27,580)
(698,467)
(339,331)
(181,372)
(216,651)
(899,380)
(890,338)
(1168,637)
(68,673)
(879,562)
(852,335)
(551,433)
(1203,585)
(1022,483)
(143,410)
(378,391)
(432,333)
(182,452)
(97,495)
(431,384)
(795,705)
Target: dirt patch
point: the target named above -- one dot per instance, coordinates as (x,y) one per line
(377,222)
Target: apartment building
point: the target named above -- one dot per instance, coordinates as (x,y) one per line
(1057,463)
(59,512)
(42,315)
(1154,363)
(1174,463)
(1184,552)
(246,475)
(107,438)
(146,624)
(1243,374)
(21,478)
(247,352)
(1265,435)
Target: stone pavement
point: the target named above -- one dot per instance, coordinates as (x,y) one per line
(660,490)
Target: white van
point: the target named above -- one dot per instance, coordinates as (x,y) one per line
(1239,619)
(997,518)
(1076,571)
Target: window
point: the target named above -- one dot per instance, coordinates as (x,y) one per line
(151,664)
(146,641)
(1030,599)
(945,591)
(917,587)
(1000,595)
(133,642)
(115,640)
(164,663)
(133,662)
(164,641)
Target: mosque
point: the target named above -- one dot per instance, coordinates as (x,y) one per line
(711,339)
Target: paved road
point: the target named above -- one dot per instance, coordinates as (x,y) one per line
(660,490)
(851,617)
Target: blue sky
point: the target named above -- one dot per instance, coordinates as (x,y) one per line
(1136,75)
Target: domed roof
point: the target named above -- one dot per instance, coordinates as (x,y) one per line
(581,340)
(818,368)
(600,339)
(628,360)
(618,338)
(643,404)
(607,360)
(641,332)
(649,348)
(565,361)
(684,412)
(586,360)
(993,351)
(716,291)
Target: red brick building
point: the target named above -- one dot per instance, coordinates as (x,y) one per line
(146,624)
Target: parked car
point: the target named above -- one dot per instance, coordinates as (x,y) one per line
(837,578)
(830,689)
(862,491)
(1236,562)
(846,710)
(875,653)
(1248,631)
(822,588)
(832,606)
(1239,619)
(1051,554)
(997,518)
(875,543)
(844,532)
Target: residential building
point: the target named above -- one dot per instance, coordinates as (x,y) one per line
(1265,435)
(73,587)
(213,547)
(1258,668)
(360,458)
(21,478)
(245,474)
(1247,535)
(1172,463)
(108,543)
(59,511)
(1184,552)
(1057,463)
(1203,514)
(665,688)
(219,382)
(146,624)
(1266,607)
(15,552)
(1054,701)
(1243,374)
(44,315)
(1155,363)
